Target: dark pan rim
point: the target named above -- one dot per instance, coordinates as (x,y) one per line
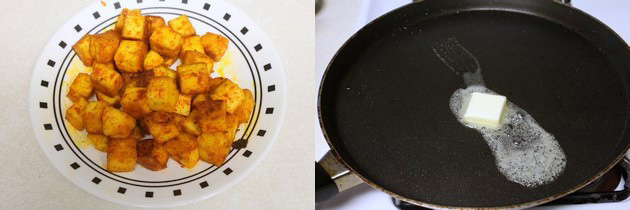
(429,205)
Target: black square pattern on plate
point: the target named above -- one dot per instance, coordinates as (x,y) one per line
(258,47)
(184,1)
(139,1)
(203,184)
(227,171)
(43,105)
(269,110)
(267,67)
(247,153)
(48,126)
(227,16)
(177,192)
(96,180)
(44,83)
(148,194)
(244,30)
(206,6)
(58,147)
(77,28)
(122,190)
(261,132)
(271,88)
(51,63)
(75,165)
(117,5)
(96,15)
(62,45)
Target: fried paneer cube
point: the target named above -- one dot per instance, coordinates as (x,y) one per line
(106,80)
(154,22)
(121,154)
(92,115)
(245,109)
(166,41)
(136,133)
(82,48)
(197,101)
(112,101)
(192,57)
(170,61)
(183,149)
(182,106)
(214,147)
(121,19)
(191,43)
(164,71)
(214,83)
(73,114)
(193,78)
(134,101)
(151,155)
(230,93)
(99,141)
(182,25)
(135,27)
(152,60)
(81,87)
(116,123)
(161,126)
(214,45)
(130,55)
(162,94)
(212,116)
(103,46)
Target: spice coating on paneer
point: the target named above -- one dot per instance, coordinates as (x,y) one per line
(103,46)
(82,48)
(182,25)
(130,56)
(166,41)
(106,80)
(121,154)
(215,45)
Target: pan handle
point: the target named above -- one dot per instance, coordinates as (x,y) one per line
(331,177)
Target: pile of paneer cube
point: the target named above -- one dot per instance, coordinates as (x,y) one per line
(189,114)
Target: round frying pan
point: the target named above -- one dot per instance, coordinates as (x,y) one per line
(384,100)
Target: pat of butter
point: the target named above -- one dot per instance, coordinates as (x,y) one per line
(485,109)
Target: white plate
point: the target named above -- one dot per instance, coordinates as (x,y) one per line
(250,60)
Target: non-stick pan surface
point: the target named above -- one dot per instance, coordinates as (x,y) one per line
(384,100)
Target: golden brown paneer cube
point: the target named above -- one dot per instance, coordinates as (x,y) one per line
(182,25)
(162,71)
(103,46)
(212,116)
(152,60)
(134,102)
(116,123)
(154,22)
(162,94)
(73,114)
(191,43)
(193,78)
(183,149)
(230,93)
(92,115)
(245,109)
(161,126)
(106,80)
(135,27)
(214,83)
(121,154)
(151,155)
(182,106)
(121,19)
(136,133)
(215,45)
(191,57)
(130,55)
(99,141)
(82,48)
(190,125)
(112,101)
(140,79)
(166,41)
(214,147)
(81,88)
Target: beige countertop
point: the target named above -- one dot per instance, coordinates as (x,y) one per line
(283,180)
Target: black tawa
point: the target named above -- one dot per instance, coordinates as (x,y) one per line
(384,99)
